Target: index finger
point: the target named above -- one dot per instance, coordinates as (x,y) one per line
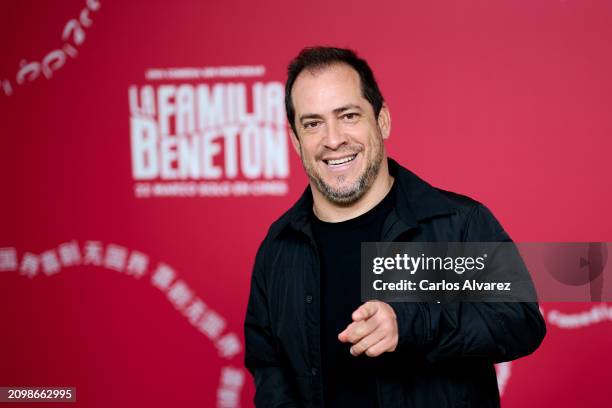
(357,331)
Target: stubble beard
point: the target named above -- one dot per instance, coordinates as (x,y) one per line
(348,195)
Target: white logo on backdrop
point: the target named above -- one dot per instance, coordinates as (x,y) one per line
(72,36)
(598,313)
(219,134)
(163,277)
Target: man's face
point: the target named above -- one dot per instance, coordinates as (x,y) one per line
(339,139)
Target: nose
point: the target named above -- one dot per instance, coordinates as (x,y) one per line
(334,137)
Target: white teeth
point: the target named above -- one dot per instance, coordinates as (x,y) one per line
(341,161)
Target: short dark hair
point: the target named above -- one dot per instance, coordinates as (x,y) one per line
(319,57)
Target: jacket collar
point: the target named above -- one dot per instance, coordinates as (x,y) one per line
(416,200)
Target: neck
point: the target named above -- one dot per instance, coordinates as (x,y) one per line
(328,211)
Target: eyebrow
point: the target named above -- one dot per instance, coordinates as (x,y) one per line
(335,111)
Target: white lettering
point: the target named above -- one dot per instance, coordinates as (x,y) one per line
(144,148)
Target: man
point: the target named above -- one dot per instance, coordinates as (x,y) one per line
(310,341)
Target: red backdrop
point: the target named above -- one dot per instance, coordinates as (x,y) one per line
(142,159)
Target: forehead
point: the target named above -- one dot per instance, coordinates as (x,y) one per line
(324,89)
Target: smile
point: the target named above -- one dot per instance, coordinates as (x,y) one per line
(338,162)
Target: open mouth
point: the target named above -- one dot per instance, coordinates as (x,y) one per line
(339,162)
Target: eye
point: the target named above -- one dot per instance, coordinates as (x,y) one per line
(350,117)
(311,125)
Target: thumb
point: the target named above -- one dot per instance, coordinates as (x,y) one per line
(365,311)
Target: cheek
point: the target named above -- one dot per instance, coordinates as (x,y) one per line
(355,132)
(361,133)
(310,150)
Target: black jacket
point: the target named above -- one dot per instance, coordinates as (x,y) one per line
(445,353)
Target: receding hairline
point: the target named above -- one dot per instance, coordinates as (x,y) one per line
(319,69)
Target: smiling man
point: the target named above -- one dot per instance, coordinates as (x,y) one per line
(310,340)
(341,141)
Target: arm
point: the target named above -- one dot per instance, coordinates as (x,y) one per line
(499,331)
(271,386)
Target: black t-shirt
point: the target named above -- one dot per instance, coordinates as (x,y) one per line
(348,381)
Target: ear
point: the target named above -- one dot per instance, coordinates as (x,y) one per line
(295,141)
(384,121)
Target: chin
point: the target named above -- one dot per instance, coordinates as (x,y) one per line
(344,194)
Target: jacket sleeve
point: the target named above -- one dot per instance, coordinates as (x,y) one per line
(272,388)
(499,331)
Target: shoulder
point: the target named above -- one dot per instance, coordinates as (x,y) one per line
(458,201)
(283,233)
(480,223)
(471,219)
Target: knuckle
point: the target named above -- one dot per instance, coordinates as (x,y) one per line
(384,345)
(385,327)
